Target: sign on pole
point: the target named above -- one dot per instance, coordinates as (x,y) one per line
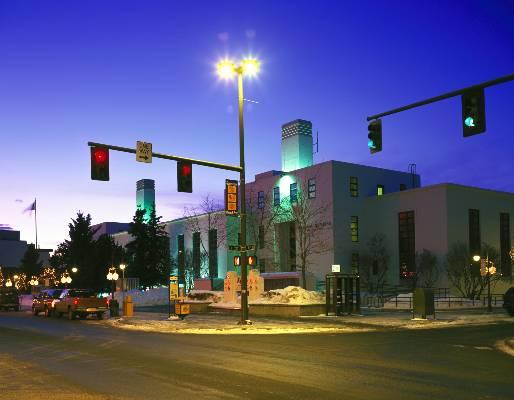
(144,152)
(173,287)
(231,197)
(336,268)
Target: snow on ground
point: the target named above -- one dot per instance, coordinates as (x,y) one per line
(151,297)
(202,296)
(290,295)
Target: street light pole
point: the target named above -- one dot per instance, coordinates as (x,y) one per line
(489,306)
(227,69)
(242,182)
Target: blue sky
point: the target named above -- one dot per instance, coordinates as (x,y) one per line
(121,71)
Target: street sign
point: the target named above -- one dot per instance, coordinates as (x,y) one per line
(231,197)
(249,247)
(173,287)
(336,268)
(144,152)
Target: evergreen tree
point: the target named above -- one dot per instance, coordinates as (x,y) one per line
(149,250)
(30,263)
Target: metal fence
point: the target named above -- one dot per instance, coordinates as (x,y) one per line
(441,302)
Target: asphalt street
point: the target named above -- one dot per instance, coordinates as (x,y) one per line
(93,358)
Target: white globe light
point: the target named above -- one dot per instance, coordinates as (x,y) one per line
(68,280)
(115,276)
(109,276)
(63,279)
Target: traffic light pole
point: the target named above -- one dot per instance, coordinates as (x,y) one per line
(455,93)
(170,157)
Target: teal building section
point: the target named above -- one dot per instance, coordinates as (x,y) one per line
(145,196)
(296,145)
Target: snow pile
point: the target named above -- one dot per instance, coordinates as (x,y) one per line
(202,296)
(293,295)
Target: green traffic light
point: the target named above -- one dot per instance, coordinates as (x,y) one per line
(469,121)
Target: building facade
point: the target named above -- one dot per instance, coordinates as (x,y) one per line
(330,213)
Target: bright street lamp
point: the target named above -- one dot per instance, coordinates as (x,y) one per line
(227,69)
(8,283)
(112,276)
(74,269)
(476,258)
(122,267)
(490,269)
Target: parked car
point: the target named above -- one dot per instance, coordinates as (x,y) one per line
(45,301)
(508,301)
(81,303)
(9,299)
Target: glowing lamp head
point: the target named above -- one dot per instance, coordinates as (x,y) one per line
(251,66)
(122,266)
(225,69)
(115,276)
(476,258)
(100,155)
(74,269)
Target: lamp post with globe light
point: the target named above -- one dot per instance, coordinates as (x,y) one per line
(8,282)
(122,267)
(66,279)
(490,269)
(226,69)
(112,276)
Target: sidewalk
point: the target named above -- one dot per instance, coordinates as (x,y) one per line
(365,322)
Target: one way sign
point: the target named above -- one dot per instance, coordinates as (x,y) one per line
(144,152)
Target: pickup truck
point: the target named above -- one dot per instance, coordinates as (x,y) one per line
(45,302)
(80,302)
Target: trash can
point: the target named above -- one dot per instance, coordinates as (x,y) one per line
(423,302)
(114,308)
(128,307)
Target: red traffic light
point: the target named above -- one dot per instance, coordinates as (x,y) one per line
(99,163)
(100,155)
(184,176)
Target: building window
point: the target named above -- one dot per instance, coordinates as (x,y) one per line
(293,192)
(380,190)
(260,200)
(355,263)
(213,253)
(261,236)
(312,188)
(407,244)
(354,228)
(292,246)
(180,258)
(276,196)
(354,186)
(474,231)
(403,187)
(505,260)
(196,254)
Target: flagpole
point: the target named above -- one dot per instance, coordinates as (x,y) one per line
(35,219)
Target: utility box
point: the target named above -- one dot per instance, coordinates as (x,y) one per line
(128,307)
(423,302)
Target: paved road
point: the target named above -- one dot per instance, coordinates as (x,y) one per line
(455,363)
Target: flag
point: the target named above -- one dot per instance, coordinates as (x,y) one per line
(30,208)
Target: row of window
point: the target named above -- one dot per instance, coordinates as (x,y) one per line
(293,193)
(354,187)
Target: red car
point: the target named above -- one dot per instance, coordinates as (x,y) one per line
(45,302)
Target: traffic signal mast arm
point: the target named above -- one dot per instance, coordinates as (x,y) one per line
(455,93)
(170,157)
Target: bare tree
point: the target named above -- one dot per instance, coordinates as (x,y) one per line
(375,264)
(464,274)
(427,269)
(209,220)
(261,219)
(310,220)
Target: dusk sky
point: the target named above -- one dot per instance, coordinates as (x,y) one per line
(120,71)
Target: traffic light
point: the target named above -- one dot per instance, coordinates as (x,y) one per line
(473,112)
(99,163)
(184,176)
(375,136)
